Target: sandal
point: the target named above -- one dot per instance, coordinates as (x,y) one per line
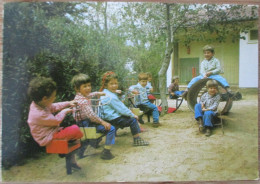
(140,142)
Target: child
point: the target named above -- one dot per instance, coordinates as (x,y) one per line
(143,99)
(116,112)
(206,110)
(173,89)
(209,68)
(82,85)
(43,124)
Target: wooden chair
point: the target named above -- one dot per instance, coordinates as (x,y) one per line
(90,135)
(142,109)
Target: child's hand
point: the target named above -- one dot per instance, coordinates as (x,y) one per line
(73,103)
(136,117)
(118,91)
(208,74)
(106,125)
(68,110)
(172,93)
(203,109)
(101,94)
(135,92)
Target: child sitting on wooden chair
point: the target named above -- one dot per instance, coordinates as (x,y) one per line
(206,109)
(143,98)
(82,85)
(44,125)
(173,89)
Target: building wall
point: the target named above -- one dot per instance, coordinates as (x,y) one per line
(227,53)
(248,65)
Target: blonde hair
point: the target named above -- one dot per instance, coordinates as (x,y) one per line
(212,83)
(142,76)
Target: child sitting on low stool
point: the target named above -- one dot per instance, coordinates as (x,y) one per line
(82,85)
(173,89)
(115,112)
(45,126)
(140,90)
(206,109)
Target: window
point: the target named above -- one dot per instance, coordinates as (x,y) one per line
(253,36)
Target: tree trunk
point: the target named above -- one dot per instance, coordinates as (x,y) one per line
(167,57)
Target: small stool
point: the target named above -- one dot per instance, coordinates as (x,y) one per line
(90,137)
(65,149)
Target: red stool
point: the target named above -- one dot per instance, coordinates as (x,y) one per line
(64,148)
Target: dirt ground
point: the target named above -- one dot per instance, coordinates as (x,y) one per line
(177,152)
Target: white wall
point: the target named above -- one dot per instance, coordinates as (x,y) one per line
(248,63)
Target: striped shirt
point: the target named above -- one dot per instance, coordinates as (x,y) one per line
(85,108)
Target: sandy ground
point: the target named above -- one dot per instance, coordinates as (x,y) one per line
(177,152)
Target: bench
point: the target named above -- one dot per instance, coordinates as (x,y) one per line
(64,148)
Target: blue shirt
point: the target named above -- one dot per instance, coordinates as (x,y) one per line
(113,107)
(141,98)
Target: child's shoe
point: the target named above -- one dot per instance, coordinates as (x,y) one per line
(140,142)
(208,132)
(107,155)
(155,125)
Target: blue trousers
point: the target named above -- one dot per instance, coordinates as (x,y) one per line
(150,105)
(177,94)
(124,121)
(110,134)
(218,78)
(207,116)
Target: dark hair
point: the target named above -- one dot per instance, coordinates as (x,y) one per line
(40,87)
(212,83)
(79,79)
(106,78)
(142,76)
(174,78)
(209,48)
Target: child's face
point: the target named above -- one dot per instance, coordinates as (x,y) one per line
(85,89)
(112,85)
(208,55)
(47,101)
(143,82)
(212,90)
